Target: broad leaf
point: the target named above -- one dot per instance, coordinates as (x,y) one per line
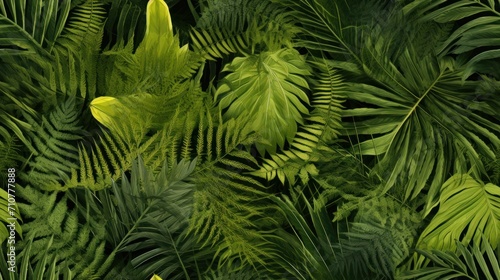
(269,88)
(468,209)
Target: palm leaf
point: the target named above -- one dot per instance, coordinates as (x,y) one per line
(269,88)
(472,262)
(31,25)
(124,22)
(468,209)
(476,37)
(325,26)
(421,121)
(148,218)
(315,256)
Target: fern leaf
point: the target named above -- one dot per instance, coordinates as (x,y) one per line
(320,127)
(54,147)
(52,229)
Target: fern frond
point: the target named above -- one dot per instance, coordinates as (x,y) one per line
(320,128)
(76,51)
(380,238)
(54,147)
(227,27)
(104,162)
(217,43)
(230,205)
(10,156)
(56,233)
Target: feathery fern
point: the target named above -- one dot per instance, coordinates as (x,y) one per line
(380,238)
(312,138)
(54,147)
(227,27)
(52,228)
(230,205)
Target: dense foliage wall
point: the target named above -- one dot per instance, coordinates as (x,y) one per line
(250,139)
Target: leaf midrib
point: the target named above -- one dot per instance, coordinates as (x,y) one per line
(414,108)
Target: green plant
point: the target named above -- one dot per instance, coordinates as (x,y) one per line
(258,139)
(469,211)
(471,262)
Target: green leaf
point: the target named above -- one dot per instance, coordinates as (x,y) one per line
(468,209)
(270,89)
(159,53)
(473,262)
(417,118)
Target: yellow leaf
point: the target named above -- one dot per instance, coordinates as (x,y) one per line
(158,18)
(156,277)
(106,110)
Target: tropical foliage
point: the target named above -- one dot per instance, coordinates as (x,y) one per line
(250,139)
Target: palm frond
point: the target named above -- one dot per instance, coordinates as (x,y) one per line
(32,26)
(11,108)
(274,84)
(124,22)
(477,35)
(468,211)
(148,218)
(9,214)
(472,262)
(312,255)
(324,26)
(422,112)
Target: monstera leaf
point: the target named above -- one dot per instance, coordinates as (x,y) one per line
(269,88)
